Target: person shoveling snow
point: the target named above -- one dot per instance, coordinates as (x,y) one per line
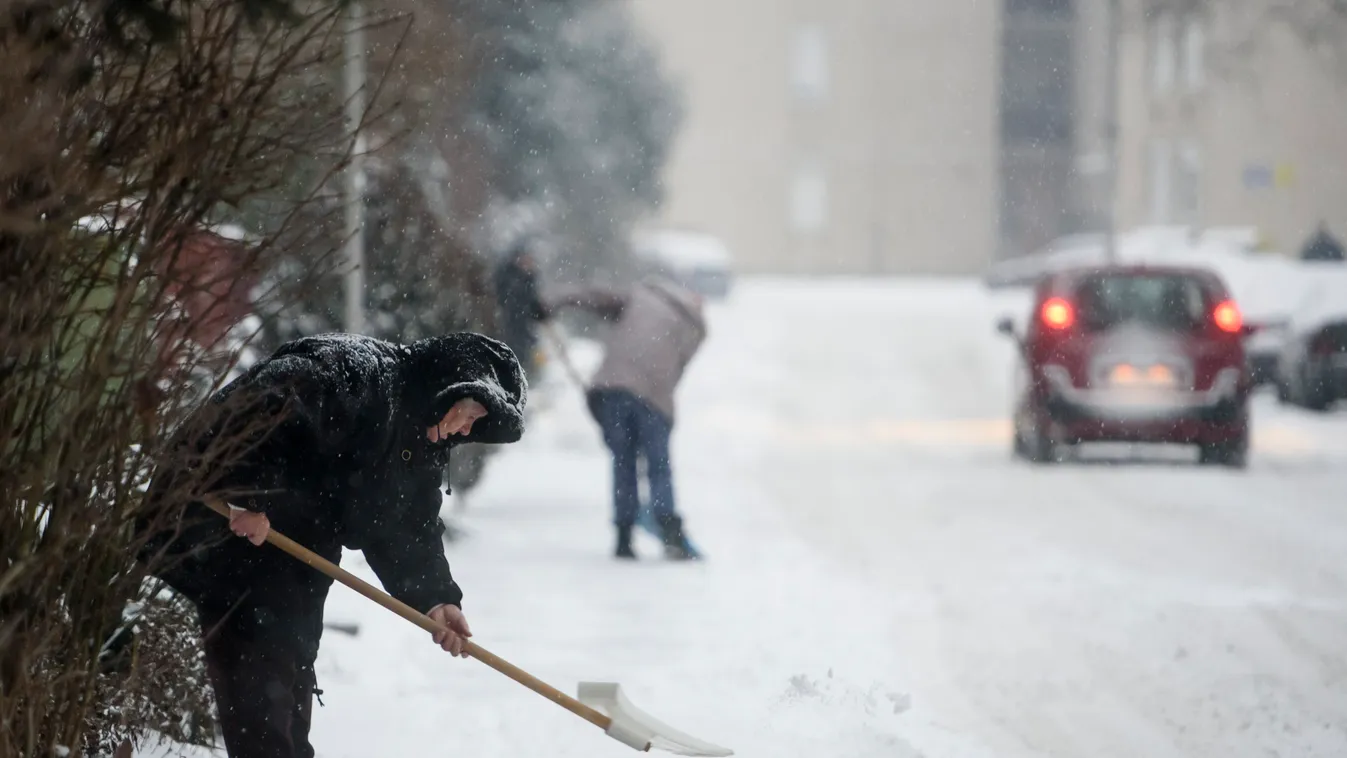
(339,441)
(656,329)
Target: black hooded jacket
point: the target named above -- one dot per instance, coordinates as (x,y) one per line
(328,438)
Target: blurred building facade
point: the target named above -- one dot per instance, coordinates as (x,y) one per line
(1053,121)
(850,137)
(1229,116)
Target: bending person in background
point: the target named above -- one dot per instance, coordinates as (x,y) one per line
(521,309)
(656,328)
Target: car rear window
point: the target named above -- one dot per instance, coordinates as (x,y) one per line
(1169,302)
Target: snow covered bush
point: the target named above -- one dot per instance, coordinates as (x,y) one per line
(121,147)
(152,682)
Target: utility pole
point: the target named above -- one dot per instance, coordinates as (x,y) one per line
(1111,132)
(355,175)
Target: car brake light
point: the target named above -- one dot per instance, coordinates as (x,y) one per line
(1057,313)
(1227,317)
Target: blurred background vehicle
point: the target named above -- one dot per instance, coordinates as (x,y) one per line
(697,260)
(1311,370)
(1263,349)
(1137,354)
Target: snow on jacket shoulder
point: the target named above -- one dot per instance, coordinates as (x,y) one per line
(327,437)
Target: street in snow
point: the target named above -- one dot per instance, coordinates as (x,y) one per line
(883,579)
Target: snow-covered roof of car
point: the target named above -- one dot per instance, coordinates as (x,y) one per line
(1267,286)
(681,247)
(1323,297)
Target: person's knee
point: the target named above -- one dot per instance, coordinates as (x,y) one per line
(659,467)
(279,697)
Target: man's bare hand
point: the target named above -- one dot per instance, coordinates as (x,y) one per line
(254,526)
(454,638)
(458,420)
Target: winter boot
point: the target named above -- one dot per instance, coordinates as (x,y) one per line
(624,550)
(675,544)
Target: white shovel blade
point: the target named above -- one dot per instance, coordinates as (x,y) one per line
(638,729)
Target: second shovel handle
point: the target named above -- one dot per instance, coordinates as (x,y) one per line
(340,574)
(564,356)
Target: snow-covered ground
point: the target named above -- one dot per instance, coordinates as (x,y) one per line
(883,581)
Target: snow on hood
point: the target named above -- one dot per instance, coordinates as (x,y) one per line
(443,370)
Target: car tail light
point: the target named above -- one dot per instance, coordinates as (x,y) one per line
(1057,313)
(1227,317)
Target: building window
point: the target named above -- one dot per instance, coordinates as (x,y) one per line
(1163,53)
(809,63)
(1042,7)
(1194,52)
(1161,181)
(1037,86)
(1187,183)
(1176,182)
(809,201)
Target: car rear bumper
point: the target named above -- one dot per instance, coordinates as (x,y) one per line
(1224,424)
(1204,416)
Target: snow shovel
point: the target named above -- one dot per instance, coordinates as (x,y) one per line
(645,519)
(600,703)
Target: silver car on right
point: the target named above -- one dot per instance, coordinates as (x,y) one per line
(1312,367)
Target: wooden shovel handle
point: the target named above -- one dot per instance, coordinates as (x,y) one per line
(340,574)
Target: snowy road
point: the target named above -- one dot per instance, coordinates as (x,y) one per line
(1090,610)
(884,581)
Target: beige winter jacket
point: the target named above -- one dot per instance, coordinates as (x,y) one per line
(656,328)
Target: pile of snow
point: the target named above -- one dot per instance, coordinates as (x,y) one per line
(818,716)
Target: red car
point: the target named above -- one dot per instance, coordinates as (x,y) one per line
(1134,354)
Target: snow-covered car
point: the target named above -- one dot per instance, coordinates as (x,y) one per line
(1061,254)
(1137,354)
(697,260)
(1312,367)
(1263,350)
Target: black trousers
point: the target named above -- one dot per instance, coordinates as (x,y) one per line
(261,615)
(263,680)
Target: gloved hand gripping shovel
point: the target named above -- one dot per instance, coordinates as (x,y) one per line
(600,703)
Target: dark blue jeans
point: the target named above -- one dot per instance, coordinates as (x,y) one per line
(634,430)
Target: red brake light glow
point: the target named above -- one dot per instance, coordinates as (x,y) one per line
(1057,313)
(1227,317)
